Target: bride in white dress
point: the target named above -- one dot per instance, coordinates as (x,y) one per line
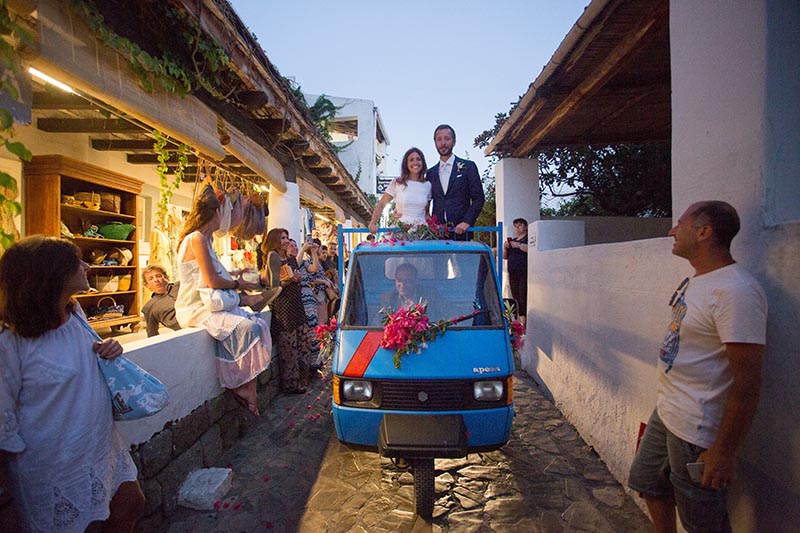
(410,192)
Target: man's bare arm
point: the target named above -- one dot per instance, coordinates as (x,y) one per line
(740,407)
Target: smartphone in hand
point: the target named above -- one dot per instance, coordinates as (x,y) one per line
(695,472)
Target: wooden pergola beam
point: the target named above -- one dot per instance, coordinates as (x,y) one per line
(312,160)
(152,159)
(594,81)
(271,126)
(321,171)
(86,125)
(49,101)
(125,145)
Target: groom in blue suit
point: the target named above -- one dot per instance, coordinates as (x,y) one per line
(455,185)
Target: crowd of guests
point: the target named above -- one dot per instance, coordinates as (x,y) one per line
(48,359)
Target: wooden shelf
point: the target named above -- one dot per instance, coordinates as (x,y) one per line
(98,212)
(87,295)
(121,321)
(94,241)
(47,179)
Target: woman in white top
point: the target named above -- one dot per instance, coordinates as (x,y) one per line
(61,457)
(411,192)
(244,338)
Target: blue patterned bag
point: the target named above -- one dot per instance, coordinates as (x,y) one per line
(134,392)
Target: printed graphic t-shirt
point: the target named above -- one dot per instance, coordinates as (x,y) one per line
(726,305)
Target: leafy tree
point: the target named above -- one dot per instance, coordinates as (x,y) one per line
(578,206)
(12,35)
(488,215)
(621,179)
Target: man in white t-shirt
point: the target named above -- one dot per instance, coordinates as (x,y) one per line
(709,377)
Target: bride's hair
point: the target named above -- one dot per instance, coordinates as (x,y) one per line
(404,172)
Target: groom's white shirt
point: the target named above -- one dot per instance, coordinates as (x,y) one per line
(445,170)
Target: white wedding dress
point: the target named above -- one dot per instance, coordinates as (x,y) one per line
(411,200)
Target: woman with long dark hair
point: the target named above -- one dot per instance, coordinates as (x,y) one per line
(60,454)
(289,323)
(244,338)
(410,192)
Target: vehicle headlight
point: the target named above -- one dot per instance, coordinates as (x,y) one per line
(357,390)
(487,391)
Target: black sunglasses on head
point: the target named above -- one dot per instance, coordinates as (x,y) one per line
(679,292)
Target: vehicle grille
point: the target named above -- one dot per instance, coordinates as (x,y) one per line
(437,395)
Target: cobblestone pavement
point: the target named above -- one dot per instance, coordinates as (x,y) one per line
(292,474)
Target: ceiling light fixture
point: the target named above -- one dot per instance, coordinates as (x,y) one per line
(52,81)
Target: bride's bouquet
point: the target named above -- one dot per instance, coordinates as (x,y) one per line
(429,231)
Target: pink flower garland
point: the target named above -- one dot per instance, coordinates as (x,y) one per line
(326,335)
(409,330)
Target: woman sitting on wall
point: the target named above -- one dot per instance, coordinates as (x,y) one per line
(60,454)
(244,338)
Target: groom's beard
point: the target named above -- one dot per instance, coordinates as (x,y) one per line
(445,151)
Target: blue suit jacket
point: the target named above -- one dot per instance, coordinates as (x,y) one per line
(464,199)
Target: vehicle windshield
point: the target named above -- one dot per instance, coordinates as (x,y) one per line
(451,284)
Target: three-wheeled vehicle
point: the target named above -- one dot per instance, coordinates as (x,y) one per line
(452,398)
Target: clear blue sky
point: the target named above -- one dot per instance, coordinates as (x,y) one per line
(422,62)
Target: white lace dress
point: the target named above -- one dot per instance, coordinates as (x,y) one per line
(55,419)
(411,200)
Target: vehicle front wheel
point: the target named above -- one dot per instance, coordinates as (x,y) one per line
(424,486)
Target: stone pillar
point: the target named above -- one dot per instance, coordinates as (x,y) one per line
(284,210)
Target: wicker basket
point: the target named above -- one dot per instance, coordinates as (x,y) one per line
(104,312)
(105,283)
(110,202)
(124,283)
(89,200)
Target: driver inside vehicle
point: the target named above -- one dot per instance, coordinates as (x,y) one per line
(408,291)
(406,285)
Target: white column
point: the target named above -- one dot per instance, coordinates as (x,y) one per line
(517,196)
(517,190)
(284,210)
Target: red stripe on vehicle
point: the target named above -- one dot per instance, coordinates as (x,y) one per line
(364,354)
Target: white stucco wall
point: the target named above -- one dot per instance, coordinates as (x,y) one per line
(184,362)
(362,150)
(597,313)
(596,316)
(729,142)
(284,210)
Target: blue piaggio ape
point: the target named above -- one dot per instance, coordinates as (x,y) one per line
(452,398)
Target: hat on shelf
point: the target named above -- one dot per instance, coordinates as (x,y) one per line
(96,256)
(122,255)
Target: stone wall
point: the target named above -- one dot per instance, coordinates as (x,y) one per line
(201,421)
(197,440)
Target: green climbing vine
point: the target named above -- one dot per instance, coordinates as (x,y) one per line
(204,63)
(167,187)
(322,113)
(11,34)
